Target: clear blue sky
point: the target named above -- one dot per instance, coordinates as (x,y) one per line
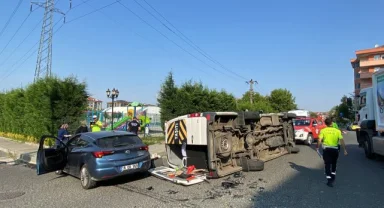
(304,46)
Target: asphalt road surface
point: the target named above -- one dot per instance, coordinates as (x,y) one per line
(295,180)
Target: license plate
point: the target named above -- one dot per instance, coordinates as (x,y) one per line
(130,167)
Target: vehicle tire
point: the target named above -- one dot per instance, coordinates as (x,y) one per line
(251,165)
(292,149)
(368,148)
(85,178)
(309,140)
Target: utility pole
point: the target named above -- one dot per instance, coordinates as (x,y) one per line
(44,56)
(251,82)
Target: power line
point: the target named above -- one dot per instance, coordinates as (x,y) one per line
(185,38)
(141,36)
(22,43)
(16,32)
(93,11)
(11,17)
(169,38)
(14,50)
(29,55)
(38,41)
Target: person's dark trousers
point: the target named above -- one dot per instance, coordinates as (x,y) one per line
(330,157)
(135,132)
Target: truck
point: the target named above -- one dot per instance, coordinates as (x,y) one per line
(366,110)
(223,143)
(371,117)
(307,129)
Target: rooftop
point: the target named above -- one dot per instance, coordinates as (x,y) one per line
(93,99)
(119,101)
(376,49)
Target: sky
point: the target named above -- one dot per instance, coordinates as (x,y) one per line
(303,46)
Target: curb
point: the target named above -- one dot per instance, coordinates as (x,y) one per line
(18,157)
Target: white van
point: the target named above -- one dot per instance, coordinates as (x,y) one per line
(223,143)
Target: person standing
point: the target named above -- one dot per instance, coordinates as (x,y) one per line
(329,138)
(96,125)
(83,128)
(62,135)
(134,126)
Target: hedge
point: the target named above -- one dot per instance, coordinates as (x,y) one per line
(28,113)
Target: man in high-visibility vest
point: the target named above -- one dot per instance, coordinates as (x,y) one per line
(96,125)
(329,138)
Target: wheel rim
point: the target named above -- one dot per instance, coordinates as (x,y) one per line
(84,177)
(225,144)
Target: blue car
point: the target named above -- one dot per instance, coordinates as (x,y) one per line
(95,156)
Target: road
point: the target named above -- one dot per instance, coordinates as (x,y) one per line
(295,180)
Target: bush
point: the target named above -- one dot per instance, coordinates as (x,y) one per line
(40,108)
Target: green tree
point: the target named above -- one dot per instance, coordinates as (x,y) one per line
(260,102)
(167,99)
(343,113)
(191,97)
(282,100)
(313,114)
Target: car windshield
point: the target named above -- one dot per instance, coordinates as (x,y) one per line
(118,141)
(302,122)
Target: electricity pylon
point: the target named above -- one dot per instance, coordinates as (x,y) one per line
(251,83)
(44,56)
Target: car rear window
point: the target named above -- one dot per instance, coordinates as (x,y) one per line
(118,141)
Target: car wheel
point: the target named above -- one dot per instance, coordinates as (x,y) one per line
(368,148)
(85,178)
(309,140)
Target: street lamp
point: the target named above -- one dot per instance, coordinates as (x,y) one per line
(112,94)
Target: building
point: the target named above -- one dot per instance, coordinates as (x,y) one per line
(118,103)
(367,61)
(94,104)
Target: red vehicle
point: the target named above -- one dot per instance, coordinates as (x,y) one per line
(307,129)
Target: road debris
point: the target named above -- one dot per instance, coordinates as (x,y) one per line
(172,192)
(150,188)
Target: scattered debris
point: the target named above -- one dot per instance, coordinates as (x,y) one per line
(253,185)
(236,196)
(262,180)
(228,184)
(238,175)
(261,189)
(150,188)
(172,192)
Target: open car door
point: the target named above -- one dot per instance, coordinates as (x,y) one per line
(50,159)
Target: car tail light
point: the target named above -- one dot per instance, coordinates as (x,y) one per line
(145,148)
(194,115)
(102,153)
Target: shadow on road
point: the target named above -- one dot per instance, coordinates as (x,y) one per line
(358,179)
(28,157)
(124,179)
